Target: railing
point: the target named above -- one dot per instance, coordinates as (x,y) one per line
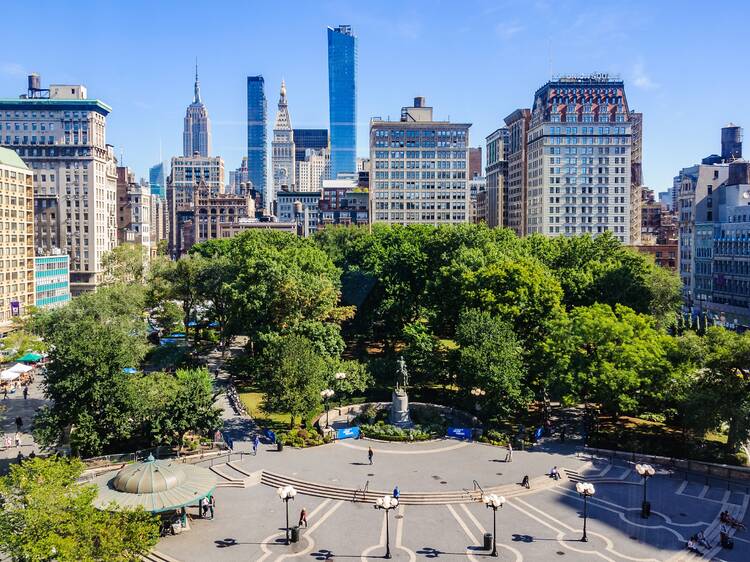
(362,490)
(706,471)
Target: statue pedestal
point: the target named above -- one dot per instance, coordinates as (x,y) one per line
(400,409)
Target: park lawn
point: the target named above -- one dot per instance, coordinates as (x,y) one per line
(253,402)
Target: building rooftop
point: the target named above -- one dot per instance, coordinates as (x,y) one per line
(56,103)
(9,157)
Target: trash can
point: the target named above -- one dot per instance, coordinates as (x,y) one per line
(488,541)
(645,509)
(279,446)
(295,534)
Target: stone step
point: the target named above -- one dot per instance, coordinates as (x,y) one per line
(156,556)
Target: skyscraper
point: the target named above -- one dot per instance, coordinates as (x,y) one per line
(282,148)
(580,144)
(342,99)
(197,134)
(256,134)
(515,189)
(156,180)
(316,139)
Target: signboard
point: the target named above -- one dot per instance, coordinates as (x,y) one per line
(271,435)
(459,432)
(15,308)
(348,433)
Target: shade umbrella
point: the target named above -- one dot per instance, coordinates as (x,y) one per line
(155,485)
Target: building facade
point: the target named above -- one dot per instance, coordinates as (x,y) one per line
(157,180)
(196,136)
(301,208)
(61,135)
(493,201)
(343,202)
(475,162)
(516,184)
(304,139)
(282,147)
(257,140)
(52,280)
(419,169)
(312,170)
(133,210)
(342,98)
(187,174)
(213,210)
(16,238)
(579,158)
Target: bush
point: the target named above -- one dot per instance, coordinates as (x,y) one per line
(494,437)
(302,438)
(653,417)
(368,414)
(385,432)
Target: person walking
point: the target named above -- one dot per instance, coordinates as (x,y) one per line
(369,454)
(19,423)
(25,392)
(302,518)
(18,439)
(5,393)
(396,492)
(256,442)
(211,506)
(509,454)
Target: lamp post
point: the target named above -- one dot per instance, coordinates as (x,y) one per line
(326,395)
(494,501)
(646,471)
(477,393)
(287,493)
(388,503)
(586,490)
(340,377)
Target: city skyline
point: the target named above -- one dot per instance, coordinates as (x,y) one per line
(508,48)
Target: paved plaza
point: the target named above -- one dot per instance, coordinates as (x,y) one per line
(439,517)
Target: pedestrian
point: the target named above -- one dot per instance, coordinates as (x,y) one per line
(562,434)
(202,508)
(25,392)
(211,506)
(396,492)
(19,457)
(525,482)
(554,473)
(18,439)
(369,454)
(302,518)
(256,442)
(509,454)
(692,546)
(702,540)
(19,423)
(5,393)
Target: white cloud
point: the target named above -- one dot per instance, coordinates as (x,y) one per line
(12,69)
(641,79)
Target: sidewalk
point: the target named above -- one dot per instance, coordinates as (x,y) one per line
(15,406)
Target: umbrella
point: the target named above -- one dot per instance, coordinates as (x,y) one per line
(9,375)
(31,358)
(162,485)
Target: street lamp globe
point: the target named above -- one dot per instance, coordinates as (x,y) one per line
(286,492)
(645,470)
(326,394)
(585,488)
(493,500)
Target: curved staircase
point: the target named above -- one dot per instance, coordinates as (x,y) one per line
(363,495)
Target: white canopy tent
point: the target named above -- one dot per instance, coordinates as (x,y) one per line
(15,372)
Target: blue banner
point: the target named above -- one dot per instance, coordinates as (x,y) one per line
(459,432)
(271,435)
(348,433)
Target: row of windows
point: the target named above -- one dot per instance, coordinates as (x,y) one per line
(47,114)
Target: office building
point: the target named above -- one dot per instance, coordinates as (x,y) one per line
(493,200)
(196,136)
(579,158)
(475,162)
(282,147)
(61,135)
(342,98)
(52,280)
(477,185)
(304,139)
(419,168)
(157,180)
(516,182)
(16,238)
(187,174)
(213,210)
(228,230)
(257,155)
(312,170)
(133,210)
(159,222)
(239,178)
(343,202)
(301,208)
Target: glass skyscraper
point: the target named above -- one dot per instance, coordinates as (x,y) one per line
(342,99)
(156,180)
(256,134)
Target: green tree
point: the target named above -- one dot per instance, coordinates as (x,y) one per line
(612,357)
(45,515)
(178,281)
(295,375)
(490,358)
(424,354)
(125,263)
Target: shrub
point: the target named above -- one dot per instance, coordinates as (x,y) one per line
(385,432)
(368,414)
(302,438)
(494,437)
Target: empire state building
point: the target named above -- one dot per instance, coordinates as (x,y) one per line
(197,134)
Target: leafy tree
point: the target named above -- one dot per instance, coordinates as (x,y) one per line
(178,281)
(216,289)
(125,263)
(424,354)
(613,357)
(46,515)
(295,376)
(490,358)
(168,316)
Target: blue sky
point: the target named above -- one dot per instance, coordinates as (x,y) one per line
(684,63)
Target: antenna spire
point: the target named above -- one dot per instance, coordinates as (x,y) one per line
(197,94)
